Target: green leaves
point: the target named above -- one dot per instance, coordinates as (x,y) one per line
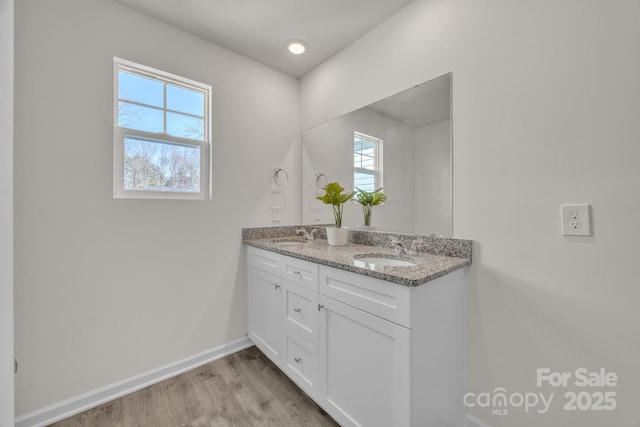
(333,195)
(367,198)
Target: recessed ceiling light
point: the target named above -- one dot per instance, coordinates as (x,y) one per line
(297,47)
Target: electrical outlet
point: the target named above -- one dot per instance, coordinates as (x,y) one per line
(275,214)
(576,220)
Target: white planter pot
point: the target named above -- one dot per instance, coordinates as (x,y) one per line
(337,236)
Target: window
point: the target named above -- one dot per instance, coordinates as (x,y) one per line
(367,162)
(161,134)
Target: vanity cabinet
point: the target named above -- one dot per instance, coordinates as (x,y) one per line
(264,302)
(282,315)
(368,351)
(365,367)
(365,358)
(300,323)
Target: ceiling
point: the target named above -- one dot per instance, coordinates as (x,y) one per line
(259,29)
(421,105)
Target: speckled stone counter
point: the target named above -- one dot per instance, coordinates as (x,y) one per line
(442,255)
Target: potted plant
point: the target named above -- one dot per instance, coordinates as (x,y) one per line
(334,196)
(369,199)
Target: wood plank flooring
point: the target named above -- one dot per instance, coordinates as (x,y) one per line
(242,390)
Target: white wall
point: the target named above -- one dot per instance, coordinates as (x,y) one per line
(107,289)
(328,149)
(432,168)
(6,213)
(545,111)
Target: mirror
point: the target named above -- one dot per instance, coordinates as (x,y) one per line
(401,143)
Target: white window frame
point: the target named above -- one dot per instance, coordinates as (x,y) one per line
(120,133)
(377,158)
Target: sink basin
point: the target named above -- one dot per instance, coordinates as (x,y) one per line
(383,261)
(289,242)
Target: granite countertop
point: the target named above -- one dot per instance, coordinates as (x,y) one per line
(428,266)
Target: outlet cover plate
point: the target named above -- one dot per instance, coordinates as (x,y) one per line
(275,214)
(576,219)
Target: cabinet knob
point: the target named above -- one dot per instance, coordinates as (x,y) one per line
(297,360)
(297,310)
(277,286)
(320,307)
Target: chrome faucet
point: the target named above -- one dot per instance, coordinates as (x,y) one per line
(399,248)
(306,235)
(417,245)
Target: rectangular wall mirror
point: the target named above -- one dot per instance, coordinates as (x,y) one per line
(401,143)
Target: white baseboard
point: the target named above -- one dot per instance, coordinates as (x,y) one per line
(472,421)
(75,405)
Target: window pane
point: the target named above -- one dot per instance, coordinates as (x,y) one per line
(369,151)
(368,163)
(367,146)
(365,152)
(140,89)
(158,166)
(364,181)
(185,126)
(134,116)
(185,100)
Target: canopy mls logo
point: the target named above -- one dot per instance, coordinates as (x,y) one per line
(500,401)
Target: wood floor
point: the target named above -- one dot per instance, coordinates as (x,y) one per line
(244,389)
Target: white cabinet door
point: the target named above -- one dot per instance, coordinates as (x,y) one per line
(365,365)
(265,312)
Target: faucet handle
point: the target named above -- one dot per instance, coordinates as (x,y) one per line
(398,247)
(418,244)
(306,235)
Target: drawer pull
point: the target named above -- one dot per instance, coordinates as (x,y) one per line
(277,286)
(297,360)
(297,310)
(297,273)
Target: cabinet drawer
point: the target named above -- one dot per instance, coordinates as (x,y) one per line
(301,311)
(300,272)
(378,297)
(301,361)
(264,260)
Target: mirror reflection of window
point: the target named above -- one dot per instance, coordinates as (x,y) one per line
(415,159)
(367,161)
